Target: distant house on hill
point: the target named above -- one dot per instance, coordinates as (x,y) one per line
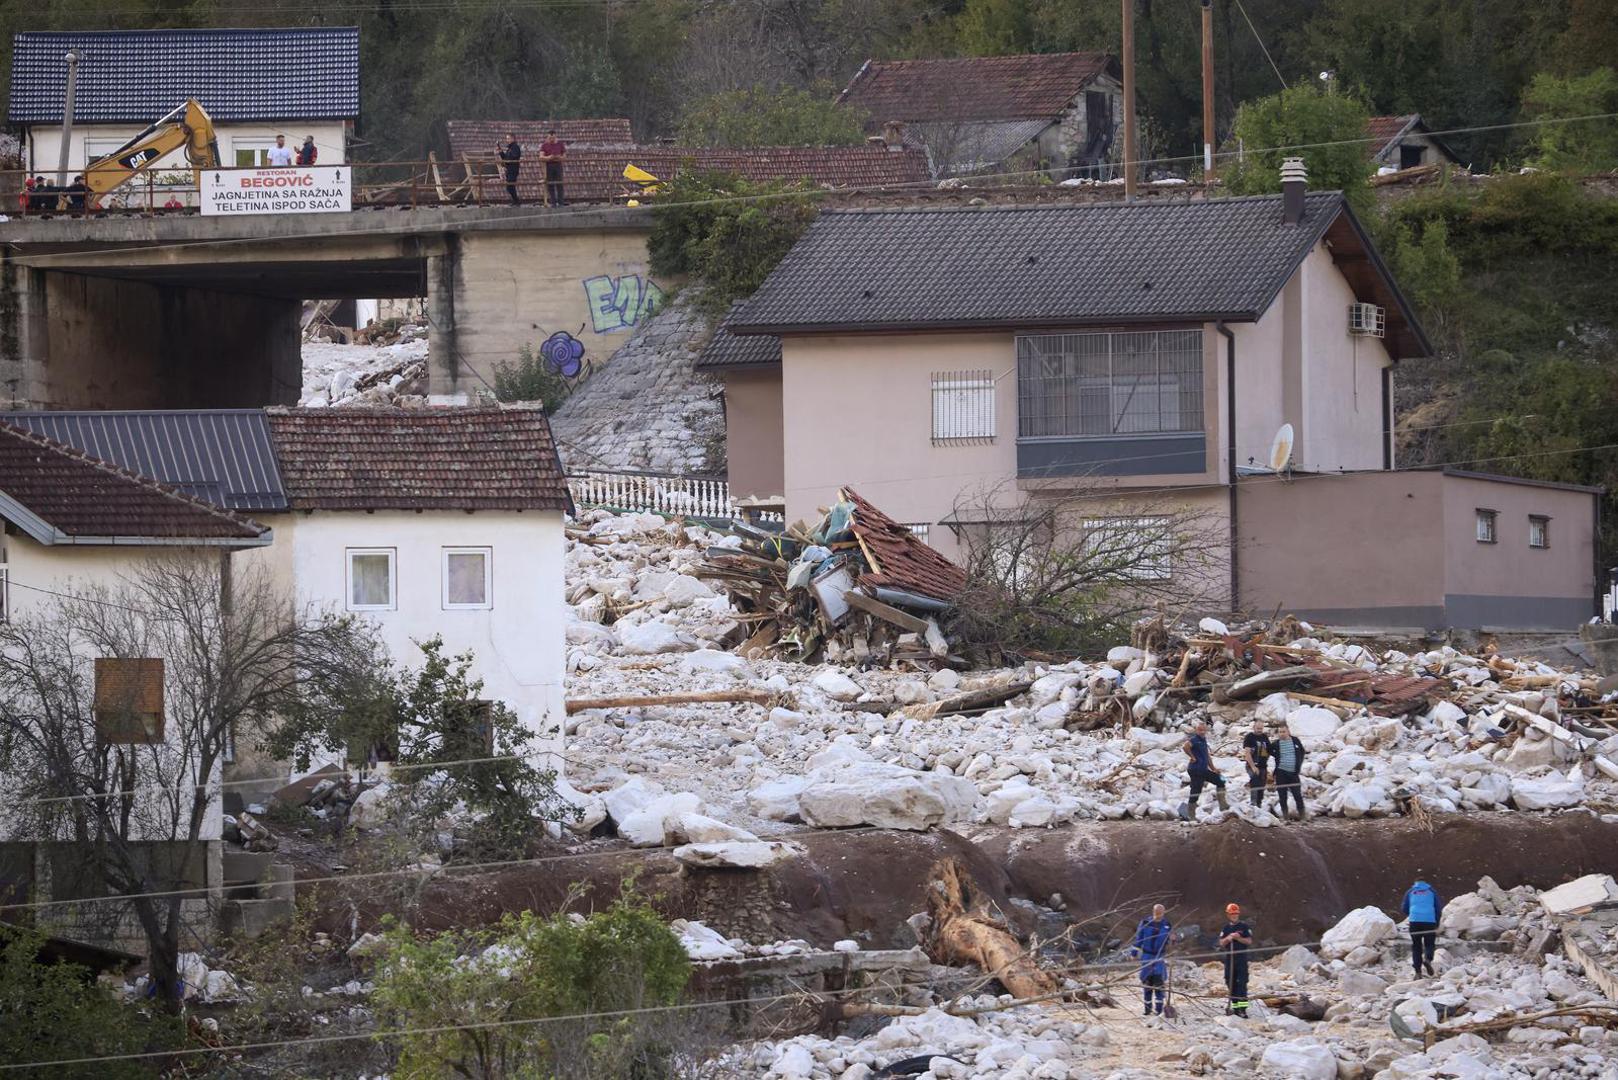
(256,84)
(1404,142)
(1063,110)
(477,138)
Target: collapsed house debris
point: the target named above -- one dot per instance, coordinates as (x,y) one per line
(390,369)
(859,587)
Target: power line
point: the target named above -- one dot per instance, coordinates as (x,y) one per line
(1260,40)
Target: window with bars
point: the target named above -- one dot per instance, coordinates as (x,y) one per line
(1109,384)
(1539,531)
(1138,548)
(1486,526)
(963,406)
(921,530)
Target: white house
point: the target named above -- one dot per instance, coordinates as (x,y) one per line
(255,83)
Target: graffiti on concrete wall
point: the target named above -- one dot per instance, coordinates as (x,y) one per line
(621,303)
(563,354)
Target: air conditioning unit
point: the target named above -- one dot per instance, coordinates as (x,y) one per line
(1367,320)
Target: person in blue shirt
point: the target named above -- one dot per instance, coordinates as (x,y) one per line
(1423,907)
(1202,771)
(1151,943)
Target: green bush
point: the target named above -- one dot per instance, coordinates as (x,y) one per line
(1327,128)
(530,378)
(757,116)
(530,969)
(1577,146)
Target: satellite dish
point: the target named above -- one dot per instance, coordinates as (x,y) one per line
(1281,449)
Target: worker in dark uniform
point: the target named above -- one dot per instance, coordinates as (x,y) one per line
(1235,939)
(1256,756)
(511,154)
(1201,771)
(1151,942)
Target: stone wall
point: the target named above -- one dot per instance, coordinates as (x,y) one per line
(647,409)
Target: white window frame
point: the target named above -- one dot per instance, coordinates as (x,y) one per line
(99,146)
(1540,524)
(1487,526)
(1162,566)
(393,578)
(921,530)
(488,577)
(963,406)
(260,145)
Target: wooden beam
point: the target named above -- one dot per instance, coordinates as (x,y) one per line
(886,612)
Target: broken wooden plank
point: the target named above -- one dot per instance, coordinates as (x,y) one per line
(1266,682)
(699,697)
(969,701)
(886,612)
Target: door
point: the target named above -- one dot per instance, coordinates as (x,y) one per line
(1410,155)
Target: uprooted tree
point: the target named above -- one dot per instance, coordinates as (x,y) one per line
(118,705)
(1059,573)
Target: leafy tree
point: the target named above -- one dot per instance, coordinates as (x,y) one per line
(759,117)
(1326,129)
(1579,146)
(726,233)
(528,969)
(55,1011)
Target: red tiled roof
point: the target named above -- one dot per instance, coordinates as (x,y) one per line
(1030,87)
(1381,130)
(80,496)
(899,559)
(597,175)
(477,138)
(481,458)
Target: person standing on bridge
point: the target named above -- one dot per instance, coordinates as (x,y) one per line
(1235,938)
(1202,771)
(279,156)
(1151,943)
(1423,907)
(553,150)
(307,152)
(511,154)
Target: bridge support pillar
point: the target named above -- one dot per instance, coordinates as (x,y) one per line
(23,334)
(444,366)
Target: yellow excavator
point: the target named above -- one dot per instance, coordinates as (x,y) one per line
(187,127)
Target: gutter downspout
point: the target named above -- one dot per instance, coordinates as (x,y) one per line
(1230,456)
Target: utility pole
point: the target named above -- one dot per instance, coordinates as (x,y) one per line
(1130,154)
(72,59)
(1207,93)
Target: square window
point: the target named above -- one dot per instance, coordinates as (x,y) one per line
(129,699)
(467,573)
(1485,526)
(1137,549)
(963,406)
(371,579)
(1539,531)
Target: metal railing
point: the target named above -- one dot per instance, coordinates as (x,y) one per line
(655,493)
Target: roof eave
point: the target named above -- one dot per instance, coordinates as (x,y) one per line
(1041,322)
(1423,342)
(262,540)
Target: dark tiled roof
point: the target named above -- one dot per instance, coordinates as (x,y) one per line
(222,456)
(1029,87)
(484,458)
(137,76)
(726,350)
(895,269)
(597,175)
(476,138)
(80,497)
(901,560)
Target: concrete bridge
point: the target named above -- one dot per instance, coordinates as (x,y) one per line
(203,312)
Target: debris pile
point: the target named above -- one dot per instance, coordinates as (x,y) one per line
(858,587)
(366,375)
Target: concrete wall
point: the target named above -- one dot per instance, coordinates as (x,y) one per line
(1342,405)
(113,343)
(508,289)
(753,433)
(1509,583)
(42,146)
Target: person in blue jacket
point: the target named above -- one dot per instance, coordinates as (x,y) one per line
(1423,907)
(1151,943)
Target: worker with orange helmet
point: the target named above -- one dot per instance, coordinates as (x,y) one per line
(1235,938)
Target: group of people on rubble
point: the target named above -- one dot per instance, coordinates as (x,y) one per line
(1422,906)
(1271,761)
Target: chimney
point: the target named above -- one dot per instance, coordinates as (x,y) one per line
(1294,182)
(893,133)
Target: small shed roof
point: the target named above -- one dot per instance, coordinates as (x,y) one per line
(477,138)
(1028,87)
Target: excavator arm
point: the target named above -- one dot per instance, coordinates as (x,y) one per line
(187,127)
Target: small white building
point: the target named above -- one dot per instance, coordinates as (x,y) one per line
(255,83)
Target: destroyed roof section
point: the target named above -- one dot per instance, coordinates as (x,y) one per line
(136,76)
(902,560)
(1052,266)
(220,455)
(1381,130)
(1024,87)
(483,458)
(597,174)
(60,495)
(477,138)
(728,351)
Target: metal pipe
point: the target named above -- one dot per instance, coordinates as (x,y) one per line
(72,59)
(1230,457)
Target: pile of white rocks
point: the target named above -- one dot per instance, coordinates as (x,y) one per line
(335,374)
(833,750)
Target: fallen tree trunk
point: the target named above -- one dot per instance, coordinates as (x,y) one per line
(965,931)
(696,697)
(969,701)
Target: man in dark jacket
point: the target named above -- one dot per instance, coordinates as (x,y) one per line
(1256,756)
(1235,938)
(307,152)
(1423,907)
(511,154)
(1151,943)
(1288,752)
(1201,770)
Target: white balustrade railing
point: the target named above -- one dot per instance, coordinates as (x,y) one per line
(657,493)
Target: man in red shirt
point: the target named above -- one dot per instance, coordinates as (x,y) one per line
(552,151)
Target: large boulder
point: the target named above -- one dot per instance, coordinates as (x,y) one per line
(658,822)
(777,800)
(1549,793)
(1312,722)
(1362,927)
(834,684)
(733,855)
(1301,1059)
(887,796)
(651,638)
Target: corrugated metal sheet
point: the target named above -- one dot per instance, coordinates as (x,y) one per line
(222,456)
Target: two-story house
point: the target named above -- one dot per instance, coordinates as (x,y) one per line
(1133,352)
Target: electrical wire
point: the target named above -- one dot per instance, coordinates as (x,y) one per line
(1248,19)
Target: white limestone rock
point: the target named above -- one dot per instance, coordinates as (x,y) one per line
(777,800)
(887,796)
(713,661)
(1301,1059)
(1550,793)
(652,638)
(1366,926)
(835,685)
(1312,722)
(733,855)
(702,942)
(701,829)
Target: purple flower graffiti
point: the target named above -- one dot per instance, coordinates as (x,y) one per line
(564,354)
